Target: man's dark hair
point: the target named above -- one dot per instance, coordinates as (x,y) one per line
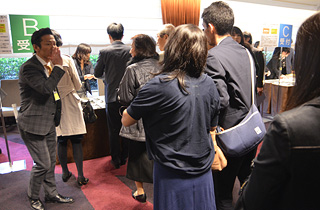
(57,37)
(256,44)
(220,15)
(37,36)
(115,30)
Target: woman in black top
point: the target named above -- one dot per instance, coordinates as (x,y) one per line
(85,69)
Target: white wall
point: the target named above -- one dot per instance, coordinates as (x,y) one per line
(81,21)
(86,21)
(252,17)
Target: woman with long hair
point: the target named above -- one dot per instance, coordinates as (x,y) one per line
(141,68)
(84,66)
(72,126)
(286,171)
(179,107)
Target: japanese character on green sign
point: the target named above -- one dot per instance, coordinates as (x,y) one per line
(22,28)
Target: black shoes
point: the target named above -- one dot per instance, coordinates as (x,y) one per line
(118,163)
(141,198)
(36,204)
(65,179)
(123,162)
(115,164)
(82,181)
(59,199)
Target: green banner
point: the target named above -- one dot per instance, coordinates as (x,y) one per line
(22,28)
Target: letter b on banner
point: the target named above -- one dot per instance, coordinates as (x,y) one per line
(22,28)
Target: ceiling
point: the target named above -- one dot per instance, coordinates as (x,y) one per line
(298,4)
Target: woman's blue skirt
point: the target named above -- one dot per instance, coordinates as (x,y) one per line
(173,191)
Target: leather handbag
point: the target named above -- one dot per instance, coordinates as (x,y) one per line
(244,137)
(88,112)
(219,161)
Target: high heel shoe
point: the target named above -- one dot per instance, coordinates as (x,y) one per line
(141,198)
(65,179)
(82,181)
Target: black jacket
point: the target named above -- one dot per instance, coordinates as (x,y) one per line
(112,63)
(135,77)
(228,65)
(287,170)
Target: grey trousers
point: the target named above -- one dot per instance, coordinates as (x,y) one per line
(43,152)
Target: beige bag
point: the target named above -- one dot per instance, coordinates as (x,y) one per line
(220,161)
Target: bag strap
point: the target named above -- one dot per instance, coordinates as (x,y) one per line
(252,75)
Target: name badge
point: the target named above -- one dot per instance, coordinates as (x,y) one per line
(56,96)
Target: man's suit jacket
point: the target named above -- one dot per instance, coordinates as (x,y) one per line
(38,107)
(260,60)
(274,64)
(228,65)
(112,62)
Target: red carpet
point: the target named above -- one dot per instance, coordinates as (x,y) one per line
(104,190)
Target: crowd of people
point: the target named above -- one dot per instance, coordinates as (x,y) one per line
(161,107)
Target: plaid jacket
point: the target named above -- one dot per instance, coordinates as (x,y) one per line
(38,107)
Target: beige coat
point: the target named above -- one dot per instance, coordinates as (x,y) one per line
(72,122)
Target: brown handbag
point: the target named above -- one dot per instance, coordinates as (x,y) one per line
(219,161)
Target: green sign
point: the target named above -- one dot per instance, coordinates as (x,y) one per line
(22,28)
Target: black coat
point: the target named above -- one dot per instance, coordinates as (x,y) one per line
(286,172)
(112,63)
(135,77)
(228,65)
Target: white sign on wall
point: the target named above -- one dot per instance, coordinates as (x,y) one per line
(277,35)
(269,36)
(5,46)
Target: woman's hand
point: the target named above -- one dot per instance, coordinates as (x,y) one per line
(89,76)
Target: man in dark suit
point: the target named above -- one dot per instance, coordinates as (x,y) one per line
(112,63)
(285,62)
(40,113)
(228,65)
(260,60)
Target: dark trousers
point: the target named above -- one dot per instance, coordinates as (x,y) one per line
(118,150)
(43,152)
(224,180)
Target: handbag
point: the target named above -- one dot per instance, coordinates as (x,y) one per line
(89,115)
(244,137)
(219,161)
